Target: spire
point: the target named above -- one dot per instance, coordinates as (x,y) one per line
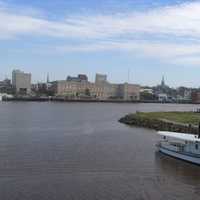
(48,78)
(163,81)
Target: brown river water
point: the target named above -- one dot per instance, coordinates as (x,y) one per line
(79,151)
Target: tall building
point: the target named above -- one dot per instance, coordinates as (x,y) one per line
(100,79)
(21,82)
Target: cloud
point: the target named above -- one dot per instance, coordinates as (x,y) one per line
(170,52)
(179,20)
(115,31)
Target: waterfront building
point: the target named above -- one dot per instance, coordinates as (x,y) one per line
(163,92)
(21,82)
(130,91)
(123,91)
(184,94)
(162,88)
(43,89)
(39,87)
(6,86)
(79,78)
(147,90)
(75,87)
(100,79)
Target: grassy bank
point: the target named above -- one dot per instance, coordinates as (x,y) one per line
(178,117)
(166,121)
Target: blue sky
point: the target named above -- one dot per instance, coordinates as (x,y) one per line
(65,37)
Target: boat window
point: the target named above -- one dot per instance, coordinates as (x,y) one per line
(164,137)
(196,146)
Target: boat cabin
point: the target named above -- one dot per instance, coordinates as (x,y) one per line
(179,142)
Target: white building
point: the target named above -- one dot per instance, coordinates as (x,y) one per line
(147,90)
(162,97)
(21,82)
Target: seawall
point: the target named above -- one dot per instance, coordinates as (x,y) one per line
(158,124)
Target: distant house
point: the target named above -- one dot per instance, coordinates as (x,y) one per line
(162,97)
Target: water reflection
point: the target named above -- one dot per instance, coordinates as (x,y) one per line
(183,171)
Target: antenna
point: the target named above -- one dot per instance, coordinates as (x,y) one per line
(128,75)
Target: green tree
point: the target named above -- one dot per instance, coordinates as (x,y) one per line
(87,92)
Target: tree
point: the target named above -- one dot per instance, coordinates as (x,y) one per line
(87,92)
(147,96)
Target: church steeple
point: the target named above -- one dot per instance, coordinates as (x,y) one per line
(48,78)
(163,81)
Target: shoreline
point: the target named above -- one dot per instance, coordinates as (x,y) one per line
(160,124)
(63,99)
(57,99)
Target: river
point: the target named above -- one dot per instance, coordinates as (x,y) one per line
(79,151)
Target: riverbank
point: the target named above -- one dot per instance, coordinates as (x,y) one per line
(184,122)
(63,99)
(66,99)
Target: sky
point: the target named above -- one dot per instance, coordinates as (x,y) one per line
(131,40)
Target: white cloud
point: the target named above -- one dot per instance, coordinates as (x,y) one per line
(100,32)
(170,52)
(187,61)
(179,20)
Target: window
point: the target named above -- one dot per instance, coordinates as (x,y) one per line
(196,146)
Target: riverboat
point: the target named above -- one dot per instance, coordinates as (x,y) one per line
(180,145)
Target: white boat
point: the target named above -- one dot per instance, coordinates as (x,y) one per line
(180,145)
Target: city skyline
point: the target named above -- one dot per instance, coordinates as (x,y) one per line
(47,78)
(139,41)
